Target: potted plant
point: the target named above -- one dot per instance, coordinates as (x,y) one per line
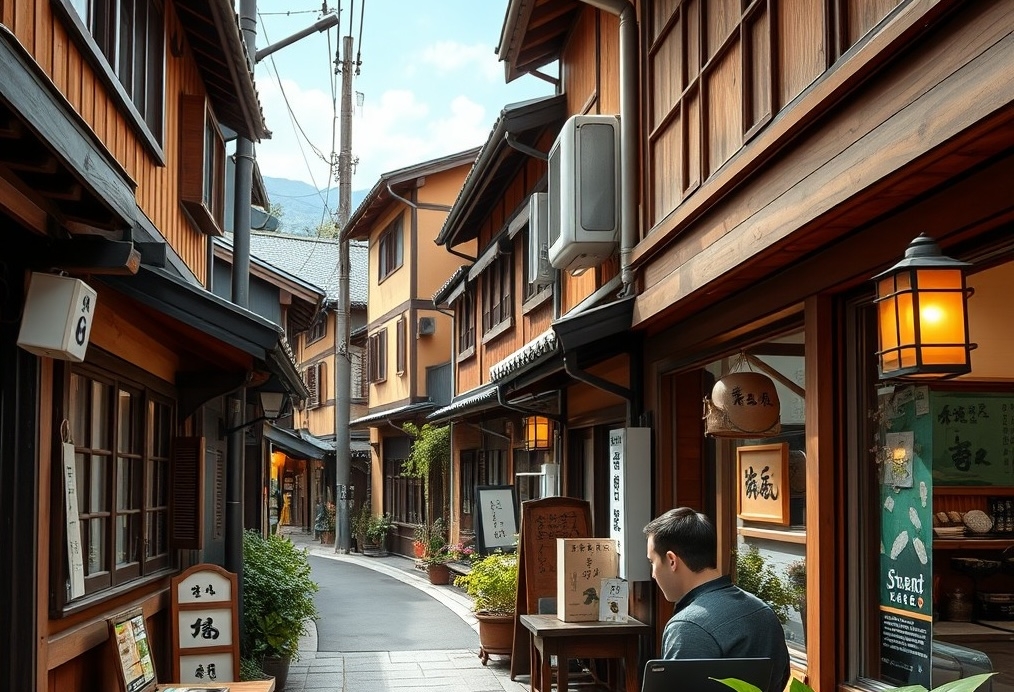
(437,561)
(377,528)
(962,685)
(277,602)
(357,526)
(324,522)
(429,537)
(492,583)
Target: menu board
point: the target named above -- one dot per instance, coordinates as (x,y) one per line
(133,652)
(973,438)
(498,518)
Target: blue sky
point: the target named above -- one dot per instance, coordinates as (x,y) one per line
(430,84)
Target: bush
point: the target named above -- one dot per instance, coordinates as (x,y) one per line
(492,583)
(753,574)
(378,528)
(277,596)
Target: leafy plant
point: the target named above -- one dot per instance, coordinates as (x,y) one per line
(431,450)
(250,669)
(754,574)
(359,522)
(492,583)
(432,535)
(378,527)
(963,685)
(324,522)
(277,596)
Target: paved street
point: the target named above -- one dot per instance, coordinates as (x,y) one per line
(383,626)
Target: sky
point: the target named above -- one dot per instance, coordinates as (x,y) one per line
(429,85)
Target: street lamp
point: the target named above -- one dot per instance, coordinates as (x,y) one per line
(537,433)
(922,316)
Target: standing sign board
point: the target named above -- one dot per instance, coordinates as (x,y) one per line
(497,517)
(205,616)
(630,498)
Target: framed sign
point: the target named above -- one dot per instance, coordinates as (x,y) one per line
(205,616)
(497,517)
(136,669)
(762,482)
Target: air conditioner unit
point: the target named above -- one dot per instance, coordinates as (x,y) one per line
(584,192)
(541,271)
(427,326)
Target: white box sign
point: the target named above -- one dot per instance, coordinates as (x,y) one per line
(630,498)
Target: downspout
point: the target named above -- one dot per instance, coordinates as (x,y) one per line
(628,133)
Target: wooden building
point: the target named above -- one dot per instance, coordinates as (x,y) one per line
(112,173)
(407,339)
(784,154)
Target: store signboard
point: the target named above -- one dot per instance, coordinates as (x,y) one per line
(906,543)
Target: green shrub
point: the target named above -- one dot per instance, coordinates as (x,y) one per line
(753,574)
(378,528)
(963,685)
(277,596)
(492,583)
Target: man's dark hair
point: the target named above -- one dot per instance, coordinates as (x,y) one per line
(687,533)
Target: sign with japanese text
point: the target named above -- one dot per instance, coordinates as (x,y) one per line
(75,558)
(629,498)
(581,566)
(497,517)
(973,438)
(762,482)
(614,602)
(206,625)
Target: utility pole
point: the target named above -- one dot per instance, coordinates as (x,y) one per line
(343,361)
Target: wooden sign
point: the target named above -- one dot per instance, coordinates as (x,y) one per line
(762,482)
(542,522)
(205,617)
(497,517)
(129,635)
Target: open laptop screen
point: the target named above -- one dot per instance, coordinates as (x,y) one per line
(695,674)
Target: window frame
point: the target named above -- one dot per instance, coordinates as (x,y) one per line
(465,324)
(401,346)
(358,368)
(390,249)
(202,168)
(314,377)
(497,297)
(377,355)
(317,330)
(148,119)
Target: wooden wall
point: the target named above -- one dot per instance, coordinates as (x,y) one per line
(44,35)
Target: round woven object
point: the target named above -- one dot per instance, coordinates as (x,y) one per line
(743,405)
(977,521)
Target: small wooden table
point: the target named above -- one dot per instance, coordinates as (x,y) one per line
(567,640)
(255,686)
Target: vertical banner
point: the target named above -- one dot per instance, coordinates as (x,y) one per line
(75,557)
(630,498)
(906,540)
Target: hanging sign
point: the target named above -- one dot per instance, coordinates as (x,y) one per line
(763,482)
(206,625)
(75,559)
(743,405)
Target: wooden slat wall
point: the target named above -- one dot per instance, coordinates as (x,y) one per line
(45,37)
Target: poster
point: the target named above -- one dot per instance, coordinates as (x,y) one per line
(906,545)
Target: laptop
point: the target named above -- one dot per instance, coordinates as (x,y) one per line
(695,674)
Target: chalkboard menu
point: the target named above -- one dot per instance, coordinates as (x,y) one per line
(973,438)
(498,518)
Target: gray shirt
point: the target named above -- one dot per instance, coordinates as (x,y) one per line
(720,620)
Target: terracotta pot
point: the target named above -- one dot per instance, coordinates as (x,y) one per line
(496,635)
(439,573)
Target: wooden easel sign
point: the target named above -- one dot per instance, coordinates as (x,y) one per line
(205,616)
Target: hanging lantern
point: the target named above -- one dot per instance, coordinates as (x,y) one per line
(922,316)
(743,405)
(537,433)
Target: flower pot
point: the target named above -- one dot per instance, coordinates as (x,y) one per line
(327,537)
(496,635)
(278,668)
(439,573)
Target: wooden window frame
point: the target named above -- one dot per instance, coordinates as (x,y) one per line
(377,355)
(498,297)
(202,165)
(359,386)
(317,330)
(390,249)
(315,377)
(401,351)
(403,495)
(465,324)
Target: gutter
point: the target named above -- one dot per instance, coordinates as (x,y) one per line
(628,133)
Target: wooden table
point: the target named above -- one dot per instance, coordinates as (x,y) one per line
(256,686)
(567,640)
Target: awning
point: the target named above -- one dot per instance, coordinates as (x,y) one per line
(473,401)
(452,288)
(528,356)
(297,443)
(403,413)
(217,317)
(595,324)
(500,247)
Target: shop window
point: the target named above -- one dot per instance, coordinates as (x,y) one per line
(766,484)
(526,464)
(403,495)
(122,433)
(468,482)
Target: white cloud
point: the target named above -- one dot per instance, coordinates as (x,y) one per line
(450,56)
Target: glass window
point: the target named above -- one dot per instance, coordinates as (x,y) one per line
(390,249)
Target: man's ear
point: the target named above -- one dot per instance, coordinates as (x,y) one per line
(673,561)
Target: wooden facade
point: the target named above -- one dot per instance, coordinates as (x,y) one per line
(90,186)
(787,152)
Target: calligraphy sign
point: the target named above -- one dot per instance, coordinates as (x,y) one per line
(205,614)
(973,438)
(762,482)
(497,517)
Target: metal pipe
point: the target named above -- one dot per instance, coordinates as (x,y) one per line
(322,24)
(628,133)
(513,142)
(417,205)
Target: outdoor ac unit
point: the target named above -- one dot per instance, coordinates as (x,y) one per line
(538,241)
(584,192)
(427,326)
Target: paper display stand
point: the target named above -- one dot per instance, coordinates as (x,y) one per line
(497,518)
(205,625)
(542,522)
(129,635)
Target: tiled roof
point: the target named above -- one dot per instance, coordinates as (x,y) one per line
(536,349)
(315,260)
(451,281)
(484,394)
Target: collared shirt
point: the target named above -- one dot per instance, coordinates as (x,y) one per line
(720,620)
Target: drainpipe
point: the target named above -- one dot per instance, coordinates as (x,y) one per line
(628,133)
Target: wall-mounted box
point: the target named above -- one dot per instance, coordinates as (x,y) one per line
(57,319)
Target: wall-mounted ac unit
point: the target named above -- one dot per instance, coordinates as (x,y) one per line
(584,192)
(427,326)
(539,268)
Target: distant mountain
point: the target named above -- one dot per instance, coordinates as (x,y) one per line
(303,207)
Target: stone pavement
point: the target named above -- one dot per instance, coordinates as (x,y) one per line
(455,670)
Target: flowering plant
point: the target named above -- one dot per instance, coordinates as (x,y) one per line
(448,553)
